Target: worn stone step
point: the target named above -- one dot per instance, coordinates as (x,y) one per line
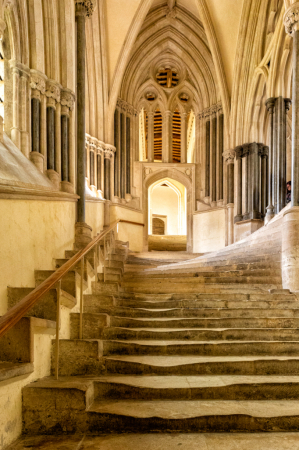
(187,282)
(105,288)
(93,302)
(206,274)
(199,312)
(93,324)
(202,365)
(270,322)
(230,387)
(151,304)
(196,287)
(79,357)
(208,348)
(193,334)
(112,264)
(109,277)
(225,295)
(46,308)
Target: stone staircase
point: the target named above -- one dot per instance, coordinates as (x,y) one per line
(210,346)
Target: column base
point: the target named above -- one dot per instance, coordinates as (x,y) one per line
(54,177)
(66,186)
(116,199)
(246,228)
(220,203)
(123,201)
(82,235)
(269,214)
(38,160)
(238,218)
(230,223)
(128,197)
(213,204)
(290,249)
(207,200)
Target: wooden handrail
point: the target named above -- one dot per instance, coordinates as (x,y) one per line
(15,314)
(132,223)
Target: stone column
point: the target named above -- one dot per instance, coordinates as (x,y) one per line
(282,107)
(220,141)
(123,156)
(270,103)
(53,97)
(117,154)
(213,160)
(38,87)
(84,8)
(128,158)
(254,154)
(99,171)
(91,165)
(15,131)
(229,157)
(150,138)
(184,137)
(247,181)
(168,137)
(67,101)
(107,168)
(264,179)
(208,146)
(239,155)
(25,118)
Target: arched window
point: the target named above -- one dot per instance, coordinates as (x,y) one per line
(158,123)
(176,136)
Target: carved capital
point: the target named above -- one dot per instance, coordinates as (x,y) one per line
(126,107)
(229,156)
(239,152)
(85,7)
(38,82)
(291,18)
(53,90)
(288,104)
(67,98)
(270,104)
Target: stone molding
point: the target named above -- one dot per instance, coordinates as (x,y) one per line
(291,19)
(229,156)
(67,98)
(126,107)
(85,7)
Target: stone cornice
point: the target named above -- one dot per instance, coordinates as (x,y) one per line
(211,111)
(38,81)
(98,146)
(291,18)
(85,7)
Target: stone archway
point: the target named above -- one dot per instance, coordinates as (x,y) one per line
(174,174)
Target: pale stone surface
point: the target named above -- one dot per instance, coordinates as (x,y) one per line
(209,231)
(244,229)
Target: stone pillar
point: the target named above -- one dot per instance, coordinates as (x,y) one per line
(255,191)
(184,137)
(150,138)
(123,156)
(107,168)
(247,180)
(220,142)
(168,137)
(281,109)
(213,160)
(15,131)
(83,8)
(67,100)
(117,154)
(99,171)
(128,158)
(208,146)
(239,215)
(264,179)
(38,87)
(92,167)
(25,109)
(270,103)
(53,98)
(229,157)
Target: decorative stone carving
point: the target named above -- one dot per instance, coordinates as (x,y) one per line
(85,7)
(291,18)
(171,13)
(53,90)
(67,98)
(147,171)
(126,107)
(184,98)
(150,96)
(37,84)
(229,156)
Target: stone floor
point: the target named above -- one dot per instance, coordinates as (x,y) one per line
(271,441)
